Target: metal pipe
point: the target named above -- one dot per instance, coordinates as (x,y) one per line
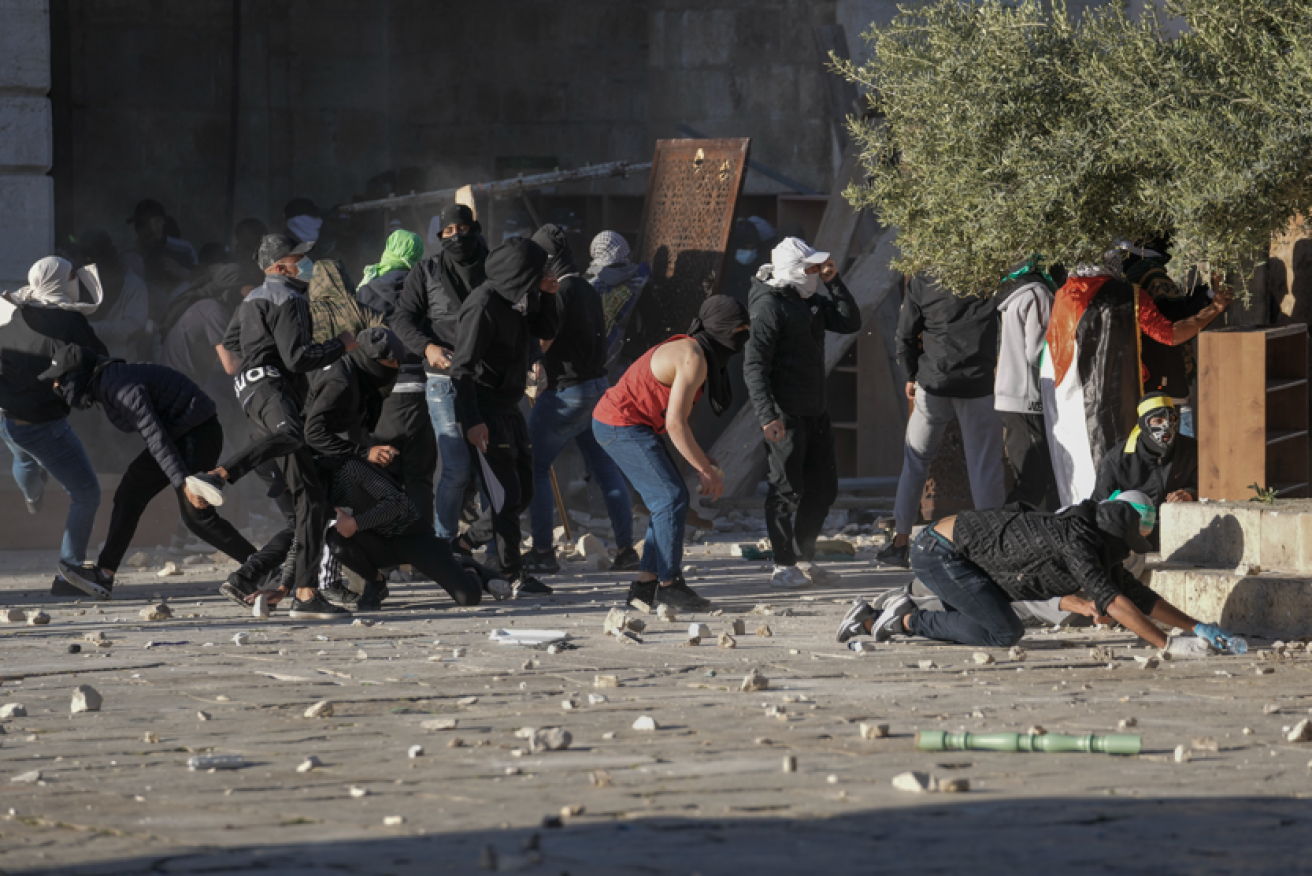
(505,186)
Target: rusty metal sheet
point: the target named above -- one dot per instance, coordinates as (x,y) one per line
(691,196)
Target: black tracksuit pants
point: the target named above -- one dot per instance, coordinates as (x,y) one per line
(278,432)
(406,425)
(144,480)
(1031,462)
(803,481)
(510,456)
(366,552)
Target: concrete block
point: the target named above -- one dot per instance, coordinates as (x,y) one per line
(1226,534)
(1267,605)
(25,46)
(25,133)
(27,225)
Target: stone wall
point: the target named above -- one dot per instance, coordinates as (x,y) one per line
(26,195)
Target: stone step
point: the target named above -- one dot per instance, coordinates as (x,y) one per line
(1225,534)
(1268,605)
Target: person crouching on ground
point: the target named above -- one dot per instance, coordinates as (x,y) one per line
(656,394)
(180,426)
(980,562)
(784,367)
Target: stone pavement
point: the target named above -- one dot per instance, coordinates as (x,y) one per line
(705,793)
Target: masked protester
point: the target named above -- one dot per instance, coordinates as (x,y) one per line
(271,339)
(574,364)
(784,367)
(425,319)
(180,426)
(981,562)
(34,321)
(1157,459)
(656,396)
(489,370)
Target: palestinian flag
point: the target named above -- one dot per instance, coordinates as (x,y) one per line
(1090,378)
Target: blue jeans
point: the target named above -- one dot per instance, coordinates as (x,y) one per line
(976,610)
(557,417)
(55,447)
(641,455)
(453,451)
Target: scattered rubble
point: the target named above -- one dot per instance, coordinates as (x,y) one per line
(754,681)
(764,631)
(873,731)
(170,570)
(309,764)
(159,611)
(645,722)
(983,659)
(727,641)
(85,699)
(1300,732)
(321,709)
(37,618)
(13,710)
(440,724)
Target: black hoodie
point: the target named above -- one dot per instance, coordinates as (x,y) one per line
(490,364)
(344,404)
(578,353)
(434,291)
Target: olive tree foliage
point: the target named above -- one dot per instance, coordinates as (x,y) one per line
(1005,129)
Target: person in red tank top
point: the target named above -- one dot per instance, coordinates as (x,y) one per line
(654,397)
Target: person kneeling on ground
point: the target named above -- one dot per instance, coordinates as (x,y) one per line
(658,391)
(181,428)
(980,562)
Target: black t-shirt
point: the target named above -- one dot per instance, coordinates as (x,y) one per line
(578,353)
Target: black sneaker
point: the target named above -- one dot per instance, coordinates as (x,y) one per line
(236,590)
(317,608)
(889,622)
(626,560)
(682,597)
(60,587)
(893,555)
(372,597)
(89,579)
(853,623)
(542,562)
(527,585)
(208,486)
(340,595)
(644,591)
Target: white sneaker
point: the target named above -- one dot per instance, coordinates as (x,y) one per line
(818,574)
(789,577)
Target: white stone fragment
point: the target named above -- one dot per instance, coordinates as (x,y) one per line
(873,731)
(1016,654)
(982,659)
(754,681)
(170,570)
(1300,732)
(28,778)
(927,664)
(160,611)
(414,751)
(241,638)
(1182,754)
(357,791)
(37,618)
(699,631)
(321,709)
(645,722)
(606,681)
(309,763)
(440,724)
(393,820)
(1127,723)
(912,782)
(85,699)
(13,710)
(597,699)
(665,613)
(261,607)
(727,641)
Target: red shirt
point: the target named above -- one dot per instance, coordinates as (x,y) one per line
(639,399)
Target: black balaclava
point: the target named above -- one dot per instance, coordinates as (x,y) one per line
(1157,440)
(514,270)
(1120,522)
(463,254)
(76,368)
(714,328)
(376,344)
(560,259)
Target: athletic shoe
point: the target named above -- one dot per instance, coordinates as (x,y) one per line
(893,555)
(853,623)
(499,589)
(681,597)
(60,587)
(527,585)
(889,622)
(235,590)
(89,579)
(626,560)
(317,608)
(542,562)
(880,602)
(789,578)
(372,597)
(644,591)
(208,486)
(340,595)
(819,575)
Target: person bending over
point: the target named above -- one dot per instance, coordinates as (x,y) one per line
(980,562)
(656,394)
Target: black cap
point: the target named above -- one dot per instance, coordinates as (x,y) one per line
(457,214)
(147,209)
(278,246)
(380,343)
(68,357)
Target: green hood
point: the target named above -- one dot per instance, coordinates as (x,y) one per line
(403,249)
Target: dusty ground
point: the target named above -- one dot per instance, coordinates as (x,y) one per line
(706,793)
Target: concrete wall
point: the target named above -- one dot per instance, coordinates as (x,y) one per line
(26,193)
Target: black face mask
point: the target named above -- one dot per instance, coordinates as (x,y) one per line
(461,247)
(716,329)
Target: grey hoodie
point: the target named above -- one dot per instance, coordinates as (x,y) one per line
(1025,312)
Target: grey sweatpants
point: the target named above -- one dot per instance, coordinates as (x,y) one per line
(981,435)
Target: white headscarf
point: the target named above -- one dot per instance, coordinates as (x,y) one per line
(788,263)
(49,285)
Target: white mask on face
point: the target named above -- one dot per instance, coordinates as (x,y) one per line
(789,266)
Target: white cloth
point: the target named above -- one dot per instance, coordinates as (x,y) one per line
(788,263)
(49,285)
(305,228)
(608,248)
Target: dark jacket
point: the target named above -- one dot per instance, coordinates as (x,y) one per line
(1036,556)
(428,307)
(1156,475)
(27,344)
(784,363)
(578,353)
(381,294)
(947,344)
(156,402)
(490,364)
(272,329)
(343,405)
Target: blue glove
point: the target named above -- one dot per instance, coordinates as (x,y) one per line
(1222,640)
